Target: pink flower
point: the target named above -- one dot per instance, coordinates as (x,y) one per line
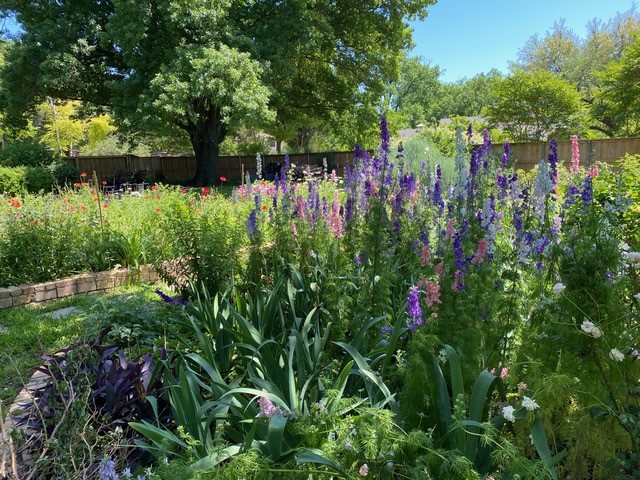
(335,220)
(267,408)
(450,230)
(364,470)
(503,373)
(594,171)
(483,246)
(426,257)
(432,293)
(575,154)
(439,268)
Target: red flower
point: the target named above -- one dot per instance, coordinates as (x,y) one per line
(154,188)
(83,208)
(92,192)
(157,210)
(205,191)
(104,182)
(264,208)
(83,175)
(76,185)
(16,204)
(223,179)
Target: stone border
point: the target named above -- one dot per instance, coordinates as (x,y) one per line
(84,283)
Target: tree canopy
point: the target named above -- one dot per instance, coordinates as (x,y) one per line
(206,67)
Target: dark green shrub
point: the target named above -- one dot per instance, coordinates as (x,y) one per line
(38,179)
(28,154)
(64,173)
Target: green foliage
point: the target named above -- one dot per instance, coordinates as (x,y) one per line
(535,106)
(64,174)
(27,154)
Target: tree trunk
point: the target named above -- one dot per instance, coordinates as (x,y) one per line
(206,134)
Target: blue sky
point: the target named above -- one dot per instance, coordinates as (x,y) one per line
(467,37)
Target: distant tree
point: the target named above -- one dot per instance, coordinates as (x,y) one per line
(469,97)
(536,105)
(618,103)
(206,68)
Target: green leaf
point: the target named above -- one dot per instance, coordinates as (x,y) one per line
(317,456)
(542,445)
(214,459)
(275,436)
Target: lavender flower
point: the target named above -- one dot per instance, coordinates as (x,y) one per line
(384,137)
(107,469)
(553,163)
(413,308)
(587,191)
(177,300)
(506,154)
(252,225)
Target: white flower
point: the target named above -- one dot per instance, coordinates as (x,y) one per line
(529,403)
(616,355)
(637,296)
(558,288)
(507,413)
(590,329)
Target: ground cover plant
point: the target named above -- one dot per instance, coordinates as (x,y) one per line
(400,322)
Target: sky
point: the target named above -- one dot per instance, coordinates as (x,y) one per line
(467,37)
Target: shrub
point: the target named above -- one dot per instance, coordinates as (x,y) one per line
(38,179)
(12,180)
(28,154)
(64,173)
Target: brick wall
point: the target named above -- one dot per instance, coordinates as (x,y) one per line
(85,283)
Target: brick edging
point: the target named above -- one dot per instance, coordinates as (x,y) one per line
(99,282)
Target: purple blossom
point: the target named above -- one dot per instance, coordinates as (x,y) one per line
(177,300)
(506,154)
(587,191)
(384,137)
(553,162)
(469,133)
(252,225)
(107,470)
(413,308)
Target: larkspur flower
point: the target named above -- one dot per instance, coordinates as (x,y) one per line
(507,413)
(616,355)
(504,373)
(107,469)
(413,308)
(267,408)
(529,403)
(575,155)
(364,470)
(558,288)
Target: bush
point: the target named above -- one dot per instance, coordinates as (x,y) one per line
(38,179)
(12,180)
(28,154)
(63,173)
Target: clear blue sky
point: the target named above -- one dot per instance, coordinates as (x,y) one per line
(467,37)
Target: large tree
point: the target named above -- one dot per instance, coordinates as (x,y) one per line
(207,67)
(535,106)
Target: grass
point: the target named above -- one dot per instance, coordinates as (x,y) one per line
(26,333)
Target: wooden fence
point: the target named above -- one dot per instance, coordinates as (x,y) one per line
(183,168)
(528,154)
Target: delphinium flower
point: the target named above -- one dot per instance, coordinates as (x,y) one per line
(506,154)
(364,470)
(413,308)
(469,133)
(107,470)
(425,255)
(384,137)
(594,171)
(335,218)
(252,225)
(431,292)
(259,166)
(486,150)
(479,256)
(437,190)
(558,288)
(177,300)
(458,282)
(575,155)
(586,194)
(542,187)
(553,163)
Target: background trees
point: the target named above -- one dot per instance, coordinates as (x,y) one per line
(207,68)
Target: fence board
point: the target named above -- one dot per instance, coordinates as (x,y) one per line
(183,168)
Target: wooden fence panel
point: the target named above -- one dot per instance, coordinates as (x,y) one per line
(183,168)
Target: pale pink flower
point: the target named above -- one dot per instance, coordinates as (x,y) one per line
(450,230)
(594,171)
(267,408)
(483,246)
(432,293)
(575,154)
(439,268)
(294,229)
(364,470)
(503,373)
(426,256)
(335,220)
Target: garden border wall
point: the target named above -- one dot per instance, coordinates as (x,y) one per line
(98,282)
